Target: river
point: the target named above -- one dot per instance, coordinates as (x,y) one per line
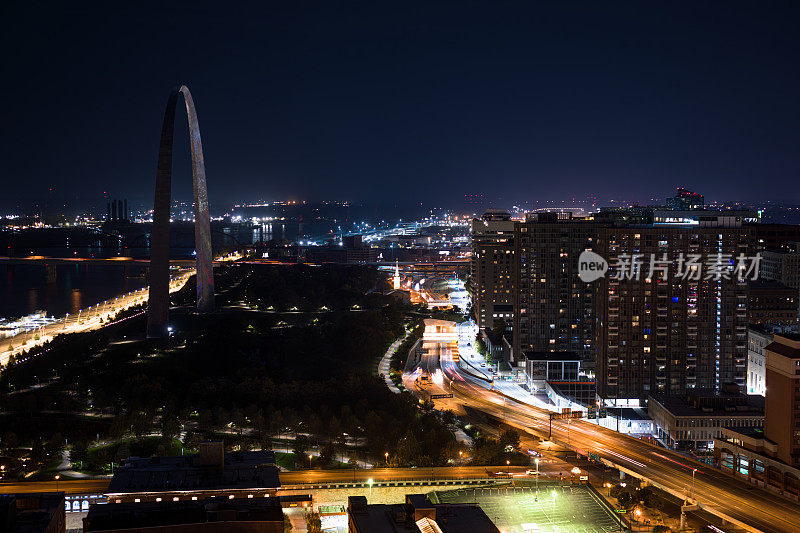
(25,289)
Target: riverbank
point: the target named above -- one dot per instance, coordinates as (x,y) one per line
(91,318)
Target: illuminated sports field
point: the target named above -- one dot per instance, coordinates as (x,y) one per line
(516,510)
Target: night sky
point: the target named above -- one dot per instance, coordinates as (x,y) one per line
(392,102)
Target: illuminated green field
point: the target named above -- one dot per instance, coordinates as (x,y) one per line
(518,510)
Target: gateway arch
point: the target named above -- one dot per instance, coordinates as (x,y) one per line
(158,303)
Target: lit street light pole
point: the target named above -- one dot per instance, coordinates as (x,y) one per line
(694,470)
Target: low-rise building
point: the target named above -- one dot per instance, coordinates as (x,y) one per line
(782,424)
(748,454)
(695,420)
(34,512)
(416,515)
(211,515)
(770,457)
(758,337)
(210,473)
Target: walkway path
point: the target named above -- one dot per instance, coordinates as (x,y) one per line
(384,365)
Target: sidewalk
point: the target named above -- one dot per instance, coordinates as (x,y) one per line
(383,365)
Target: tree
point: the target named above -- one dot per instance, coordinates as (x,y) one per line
(79,453)
(661,529)
(508,438)
(287,524)
(313,522)
(327,453)
(123,452)
(170,426)
(408,450)
(301,444)
(498,328)
(625,498)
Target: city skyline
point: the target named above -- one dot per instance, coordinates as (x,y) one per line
(513,266)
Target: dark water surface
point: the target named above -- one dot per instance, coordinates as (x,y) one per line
(25,289)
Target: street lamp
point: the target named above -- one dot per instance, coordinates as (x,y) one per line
(369,482)
(309,460)
(694,470)
(461,457)
(508,466)
(57,478)
(386,454)
(537,476)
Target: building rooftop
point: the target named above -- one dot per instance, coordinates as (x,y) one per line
(417,515)
(708,403)
(152,514)
(238,470)
(30,512)
(769,285)
(532,355)
(784,349)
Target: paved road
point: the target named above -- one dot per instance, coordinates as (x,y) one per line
(99,486)
(712,488)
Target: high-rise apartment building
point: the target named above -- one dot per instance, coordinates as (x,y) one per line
(492,268)
(669,332)
(553,310)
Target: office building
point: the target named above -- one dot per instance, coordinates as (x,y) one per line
(492,268)
(784,267)
(685,200)
(693,421)
(673,329)
(771,302)
(777,237)
(210,473)
(758,338)
(416,515)
(553,308)
(34,512)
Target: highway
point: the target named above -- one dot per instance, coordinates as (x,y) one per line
(712,488)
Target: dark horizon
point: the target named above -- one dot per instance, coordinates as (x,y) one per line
(398,104)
